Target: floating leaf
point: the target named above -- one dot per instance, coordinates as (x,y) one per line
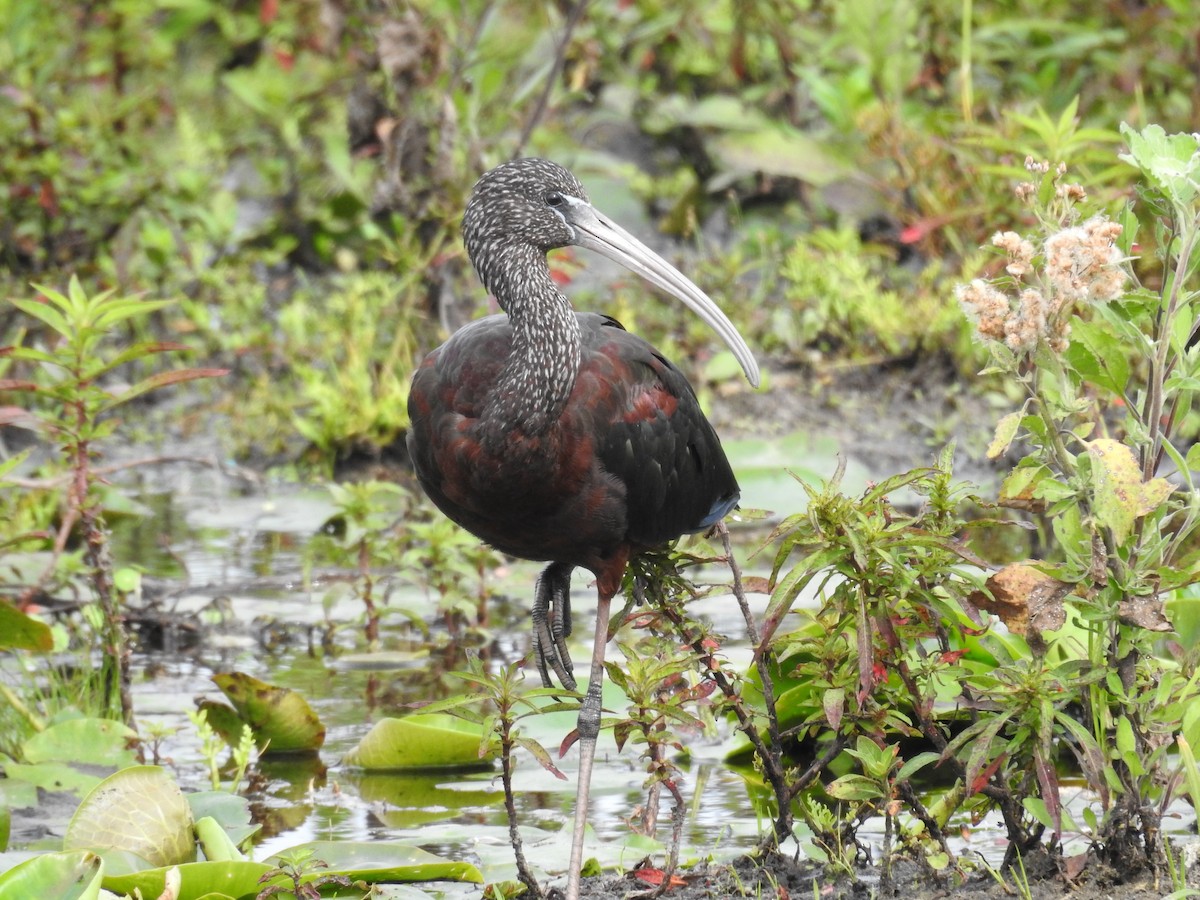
(64,876)
(422,741)
(230,811)
(96,742)
(411,799)
(385,861)
(1120,494)
(140,811)
(226,878)
(281,719)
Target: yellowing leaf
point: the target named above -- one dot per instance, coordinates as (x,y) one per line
(281,719)
(1120,495)
(1006,430)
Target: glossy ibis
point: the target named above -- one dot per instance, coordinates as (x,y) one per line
(559,436)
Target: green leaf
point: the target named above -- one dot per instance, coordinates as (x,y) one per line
(114,311)
(282,720)
(1125,741)
(64,876)
(1036,807)
(45,313)
(209,879)
(1170,162)
(422,741)
(1098,356)
(162,379)
(386,862)
(97,742)
(917,763)
(230,811)
(854,787)
(1184,613)
(21,632)
(138,811)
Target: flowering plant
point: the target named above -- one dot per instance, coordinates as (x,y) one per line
(1103,345)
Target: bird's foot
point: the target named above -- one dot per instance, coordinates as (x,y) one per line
(552,625)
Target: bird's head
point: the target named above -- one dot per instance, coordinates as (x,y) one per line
(526,207)
(522,202)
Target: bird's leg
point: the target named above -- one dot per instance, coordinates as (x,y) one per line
(588,730)
(551,624)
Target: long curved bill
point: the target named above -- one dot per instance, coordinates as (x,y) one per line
(595,231)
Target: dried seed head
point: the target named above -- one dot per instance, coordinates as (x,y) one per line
(1083,263)
(1019,250)
(984,305)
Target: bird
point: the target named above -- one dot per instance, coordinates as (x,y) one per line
(558,436)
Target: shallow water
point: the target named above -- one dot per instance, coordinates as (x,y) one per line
(229,554)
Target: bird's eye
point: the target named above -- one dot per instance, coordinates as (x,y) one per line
(554,198)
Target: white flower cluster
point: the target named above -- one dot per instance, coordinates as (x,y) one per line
(1079,264)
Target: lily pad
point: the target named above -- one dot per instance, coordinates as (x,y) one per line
(386,861)
(229,811)
(52,776)
(411,799)
(281,719)
(65,876)
(138,813)
(227,878)
(97,742)
(422,741)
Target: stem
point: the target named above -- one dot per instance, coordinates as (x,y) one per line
(1158,365)
(510,808)
(560,54)
(966,87)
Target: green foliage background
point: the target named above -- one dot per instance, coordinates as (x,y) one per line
(291,171)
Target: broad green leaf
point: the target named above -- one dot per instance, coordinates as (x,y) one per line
(1036,807)
(777,149)
(227,878)
(52,776)
(1193,457)
(230,811)
(281,719)
(97,742)
(422,741)
(1191,773)
(139,811)
(1099,356)
(386,861)
(64,876)
(1170,162)
(1184,613)
(215,842)
(21,632)
(1120,494)
(853,787)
